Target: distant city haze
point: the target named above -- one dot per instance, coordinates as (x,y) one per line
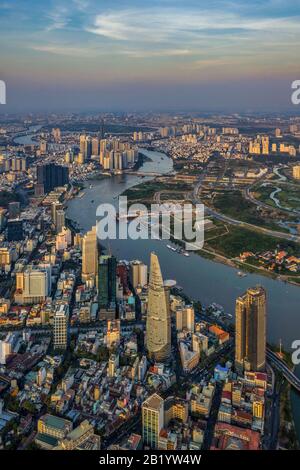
(137,56)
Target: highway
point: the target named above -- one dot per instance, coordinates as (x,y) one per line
(239,223)
(282,367)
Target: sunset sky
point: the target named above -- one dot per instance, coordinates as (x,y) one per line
(141,55)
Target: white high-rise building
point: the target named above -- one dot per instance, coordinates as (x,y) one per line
(5,350)
(60,331)
(153,420)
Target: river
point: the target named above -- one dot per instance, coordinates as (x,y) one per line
(28,139)
(200,278)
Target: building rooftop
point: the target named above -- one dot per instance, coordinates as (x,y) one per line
(154,402)
(44,438)
(54,421)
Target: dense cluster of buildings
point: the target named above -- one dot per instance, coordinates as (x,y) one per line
(115,377)
(198,142)
(94,346)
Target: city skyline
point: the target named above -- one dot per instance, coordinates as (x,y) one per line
(164,56)
(128,130)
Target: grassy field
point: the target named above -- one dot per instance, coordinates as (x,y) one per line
(263,194)
(288,197)
(233,204)
(172,196)
(240,239)
(144,192)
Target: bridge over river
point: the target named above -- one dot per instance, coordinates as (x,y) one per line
(282,367)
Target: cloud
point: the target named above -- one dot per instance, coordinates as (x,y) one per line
(161,24)
(58,18)
(81,5)
(143,54)
(65,50)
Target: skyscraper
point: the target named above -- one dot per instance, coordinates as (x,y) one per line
(52,176)
(88,148)
(60,221)
(158,329)
(60,333)
(265,145)
(95,146)
(107,278)
(82,143)
(15,230)
(138,274)
(89,255)
(250,331)
(55,206)
(153,420)
(185,318)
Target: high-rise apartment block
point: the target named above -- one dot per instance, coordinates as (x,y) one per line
(153,420)
(138,274)
(185,318)
(89,256)
(250,334)
(60,329)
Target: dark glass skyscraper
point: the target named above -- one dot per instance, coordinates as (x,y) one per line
(107,274)
(52,176)
(15,230)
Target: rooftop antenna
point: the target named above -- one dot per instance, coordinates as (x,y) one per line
(280,347)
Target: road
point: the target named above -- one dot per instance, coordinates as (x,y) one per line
(284,369)
(239,223)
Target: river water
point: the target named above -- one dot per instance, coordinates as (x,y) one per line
(27,139)
(200,278)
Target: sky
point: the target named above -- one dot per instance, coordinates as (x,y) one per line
(137,55)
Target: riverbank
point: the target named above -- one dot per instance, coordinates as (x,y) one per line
(236,264)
